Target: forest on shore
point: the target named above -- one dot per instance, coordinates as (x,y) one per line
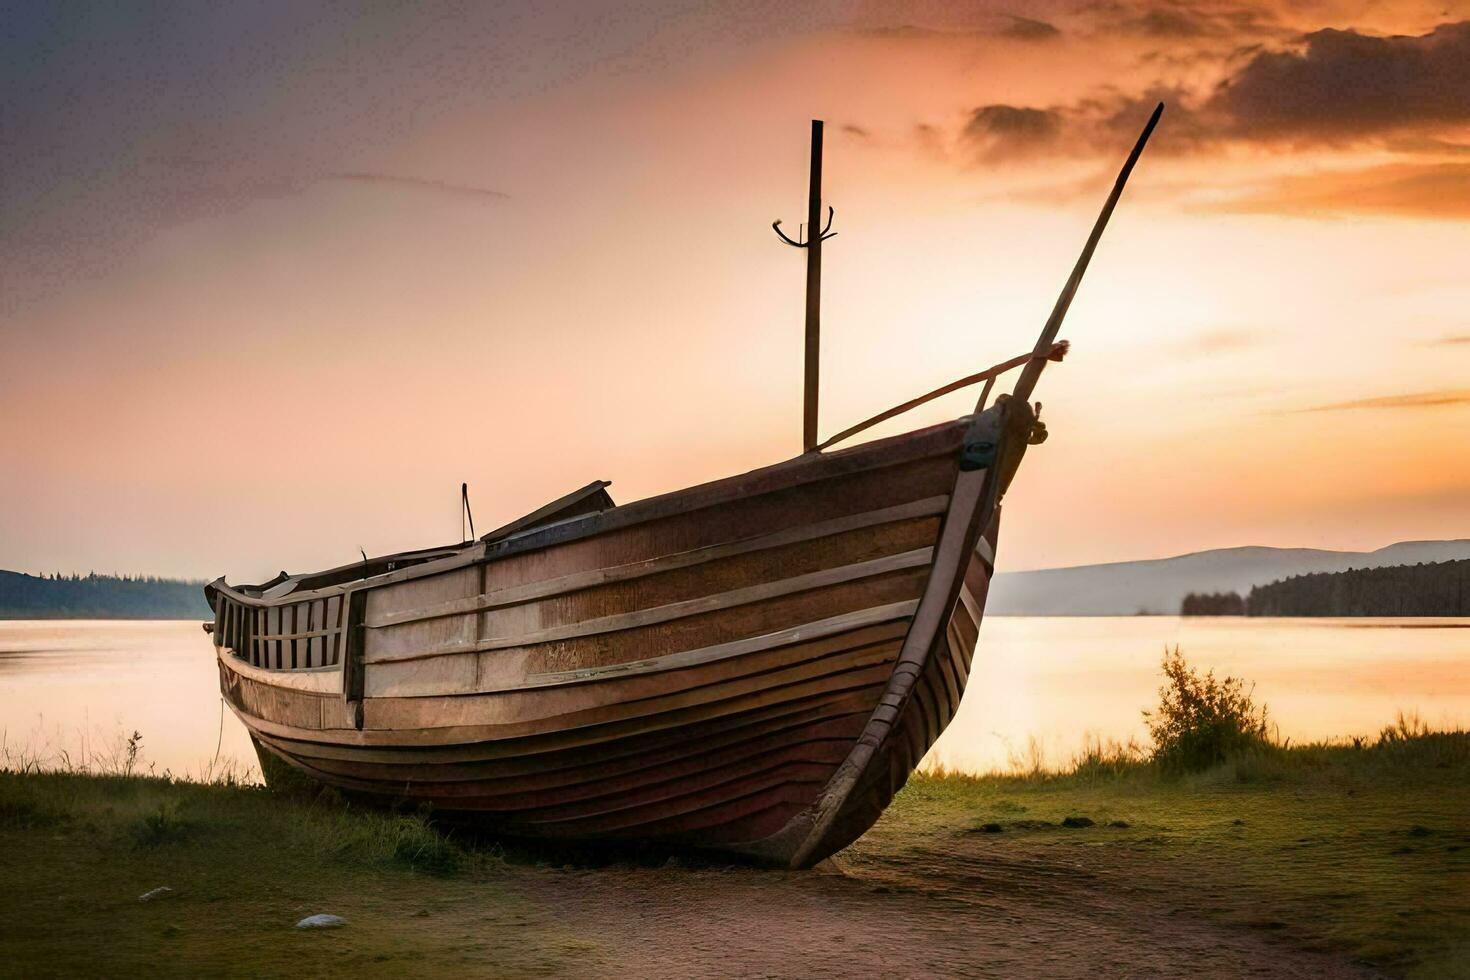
(1425,589)
(96,596)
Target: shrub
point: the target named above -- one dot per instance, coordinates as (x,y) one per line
(1202,720)
(162,825)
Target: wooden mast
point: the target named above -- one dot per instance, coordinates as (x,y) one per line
(816,233)
(1043,348)
(813,294)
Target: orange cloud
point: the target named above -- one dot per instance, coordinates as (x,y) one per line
(1428,190)
(1423,399)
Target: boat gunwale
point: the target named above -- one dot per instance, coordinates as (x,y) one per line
(797,471)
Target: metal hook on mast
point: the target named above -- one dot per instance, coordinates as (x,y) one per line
(801,242)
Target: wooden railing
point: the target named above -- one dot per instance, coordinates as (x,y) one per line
(289,636)
(1056,352)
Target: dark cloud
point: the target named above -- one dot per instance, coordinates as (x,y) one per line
(1002,131)
(1342,85)
(1028,29)
(1453,340)
(1194,20)
(1423,399)
(852,129)
(1409,94)
(1169,22)
(1099,124)
(418,184)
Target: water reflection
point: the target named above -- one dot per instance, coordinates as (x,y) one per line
(79,688)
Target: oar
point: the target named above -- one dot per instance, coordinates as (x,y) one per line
(1054,323)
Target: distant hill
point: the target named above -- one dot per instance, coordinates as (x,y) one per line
(1159,586)
(99,597)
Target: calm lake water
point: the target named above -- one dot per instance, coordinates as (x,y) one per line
(81,688)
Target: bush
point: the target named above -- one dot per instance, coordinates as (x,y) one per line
(162,825)
(1201,720)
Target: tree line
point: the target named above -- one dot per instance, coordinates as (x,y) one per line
(1432,589)
(96,596)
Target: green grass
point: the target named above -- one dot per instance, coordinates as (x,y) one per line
(1359,848)
(77,851)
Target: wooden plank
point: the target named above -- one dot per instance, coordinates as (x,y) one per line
(521,713)
(582,768)
(568,747)
(591,498)
(951,557)
(457,673)
(917,558)
(388,728)
(353,641)
(321,680)
(575,581)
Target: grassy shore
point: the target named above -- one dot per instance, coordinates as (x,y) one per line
(1362,851)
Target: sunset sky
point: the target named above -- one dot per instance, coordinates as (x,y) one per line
(275,278)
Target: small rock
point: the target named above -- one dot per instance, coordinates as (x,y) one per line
(1237,822)
(991,828)
(1078,822)
(1120,824)
(1419,830)
(163,892)
(321,921)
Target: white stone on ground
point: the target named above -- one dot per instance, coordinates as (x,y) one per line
(163,892)
(321,921)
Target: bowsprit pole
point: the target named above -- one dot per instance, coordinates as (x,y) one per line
(813,245)
(1039,354)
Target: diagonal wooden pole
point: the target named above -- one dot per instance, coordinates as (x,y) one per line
(1039,355)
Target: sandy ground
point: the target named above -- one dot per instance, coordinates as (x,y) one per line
(947,907)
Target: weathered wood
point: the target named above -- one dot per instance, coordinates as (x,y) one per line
(322,680)
(678,610)
(590,499)
(1055,352)
(463,677)
(931,442)
(1032,373)
(582,668)
(813,346)
(755,664)
(489,599)
(956,542)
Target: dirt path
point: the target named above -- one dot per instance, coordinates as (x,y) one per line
(946,910)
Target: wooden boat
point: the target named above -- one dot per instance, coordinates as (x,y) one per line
(753,665)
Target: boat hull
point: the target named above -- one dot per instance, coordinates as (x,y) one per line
(754,665)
